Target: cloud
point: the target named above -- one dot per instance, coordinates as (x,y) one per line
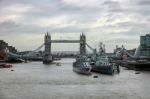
(83,3)
(143,2)
(101,20)
(17,8)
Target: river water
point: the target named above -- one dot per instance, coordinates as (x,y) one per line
(34,80)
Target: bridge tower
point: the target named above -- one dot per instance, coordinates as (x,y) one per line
(47,53)
(82,44)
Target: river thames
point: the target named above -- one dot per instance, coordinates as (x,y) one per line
(33,80)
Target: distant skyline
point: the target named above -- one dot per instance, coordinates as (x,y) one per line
(23,23)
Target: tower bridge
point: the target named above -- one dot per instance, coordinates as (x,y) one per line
(47,55)
(47,52)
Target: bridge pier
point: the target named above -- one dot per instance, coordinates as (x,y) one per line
(82,44)
(47,59)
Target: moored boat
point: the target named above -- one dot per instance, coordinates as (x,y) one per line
(3,65)
(82,65)
(102,63)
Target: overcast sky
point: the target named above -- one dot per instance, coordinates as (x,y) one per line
(23,23)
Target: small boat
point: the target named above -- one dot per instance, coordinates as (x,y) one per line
(3,65)
(58,64)
(82,65)
(102,63)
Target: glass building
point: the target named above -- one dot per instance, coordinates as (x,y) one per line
(145,46)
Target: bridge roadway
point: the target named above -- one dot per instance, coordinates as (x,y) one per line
(65,41)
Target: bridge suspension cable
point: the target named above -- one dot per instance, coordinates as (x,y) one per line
(34,50)
(90,47)
(27,54)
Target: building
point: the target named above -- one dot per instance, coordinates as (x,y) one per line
(145,46)
(3,47)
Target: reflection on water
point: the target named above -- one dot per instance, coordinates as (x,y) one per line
(34,80)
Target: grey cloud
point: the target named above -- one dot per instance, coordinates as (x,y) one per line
(143,2)
(67,30)
(111,3)
(8,24)
(12,27)
(122,40)
(7,27)
(113,6)
(85,15)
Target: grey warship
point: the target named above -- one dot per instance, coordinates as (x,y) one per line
(102,63)
(82,66)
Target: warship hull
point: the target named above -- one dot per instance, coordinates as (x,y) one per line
(79,68)
(85,71)
(103,69)
(106,69)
